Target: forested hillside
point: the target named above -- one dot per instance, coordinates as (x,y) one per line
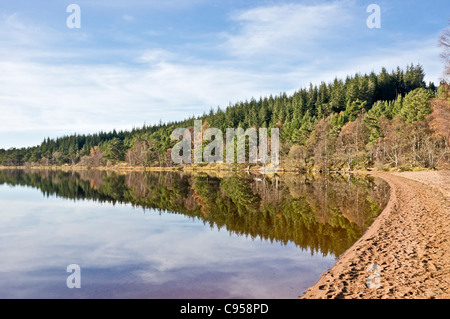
(386,120)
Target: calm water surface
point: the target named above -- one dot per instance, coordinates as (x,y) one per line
(171,235)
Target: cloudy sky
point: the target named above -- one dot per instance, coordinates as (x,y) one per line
(134,62)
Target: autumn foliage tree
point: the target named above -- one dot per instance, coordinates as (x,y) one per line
(352,140)
(321,143)
(440,126)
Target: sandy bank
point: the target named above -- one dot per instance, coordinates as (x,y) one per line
(409,243)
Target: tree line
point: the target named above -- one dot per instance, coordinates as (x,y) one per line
(384,120)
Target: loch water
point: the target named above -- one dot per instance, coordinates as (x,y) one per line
(176,234)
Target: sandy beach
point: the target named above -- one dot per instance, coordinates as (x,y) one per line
(406,251)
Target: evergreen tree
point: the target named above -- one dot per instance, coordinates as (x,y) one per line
(416,105)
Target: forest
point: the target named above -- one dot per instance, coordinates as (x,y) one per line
(390,120)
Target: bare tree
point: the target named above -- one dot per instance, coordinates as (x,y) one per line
(444,42)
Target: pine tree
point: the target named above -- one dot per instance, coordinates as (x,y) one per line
(416,105)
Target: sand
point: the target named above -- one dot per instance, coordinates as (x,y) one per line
(405,253)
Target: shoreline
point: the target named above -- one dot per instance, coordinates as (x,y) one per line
(123,168)
(409,244)
(214,168)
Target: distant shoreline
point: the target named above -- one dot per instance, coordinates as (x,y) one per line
(217,168)
(123,168)
(126,169)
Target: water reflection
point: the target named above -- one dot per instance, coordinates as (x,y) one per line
(162,255)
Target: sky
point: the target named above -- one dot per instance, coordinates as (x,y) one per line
(137,62)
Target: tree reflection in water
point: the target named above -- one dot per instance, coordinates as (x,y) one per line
(322,213)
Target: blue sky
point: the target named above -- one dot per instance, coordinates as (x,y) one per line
(134,62)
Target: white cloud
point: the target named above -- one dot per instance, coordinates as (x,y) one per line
(99,97)
(155,4)
(422,51)
(284,29)
(17,33)
(156,56)
(128,18)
